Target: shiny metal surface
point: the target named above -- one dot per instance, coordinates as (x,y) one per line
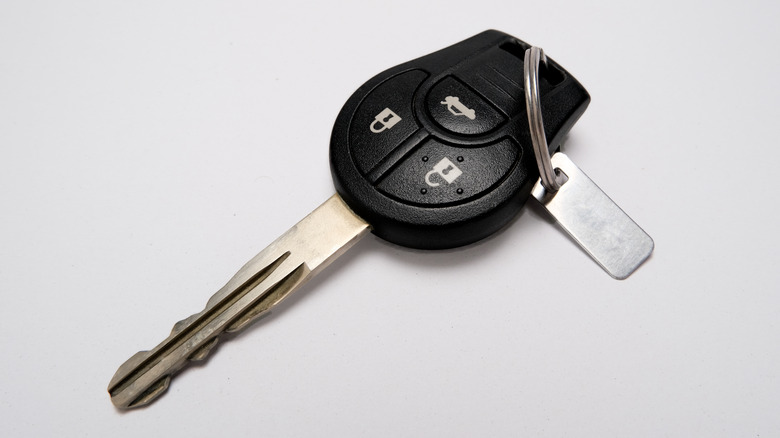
(601,228)
(551,180)
(263,282)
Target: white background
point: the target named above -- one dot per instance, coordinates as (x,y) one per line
(148,149)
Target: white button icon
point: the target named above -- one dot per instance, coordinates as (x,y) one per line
(384,120)
(446,169)
(457,108)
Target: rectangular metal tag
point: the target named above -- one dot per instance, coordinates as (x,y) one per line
(601,228)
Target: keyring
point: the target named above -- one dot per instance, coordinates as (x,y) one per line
(551,180)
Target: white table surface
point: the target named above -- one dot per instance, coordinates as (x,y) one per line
(149,148)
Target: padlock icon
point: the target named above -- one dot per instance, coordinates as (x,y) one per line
(445,169)
(384,120)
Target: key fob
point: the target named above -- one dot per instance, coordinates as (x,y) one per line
(435,153)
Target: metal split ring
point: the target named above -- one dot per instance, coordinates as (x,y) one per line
(551,180)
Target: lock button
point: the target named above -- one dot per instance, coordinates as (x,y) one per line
(458,109)
(384,119)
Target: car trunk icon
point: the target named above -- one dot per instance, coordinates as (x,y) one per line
(457,108)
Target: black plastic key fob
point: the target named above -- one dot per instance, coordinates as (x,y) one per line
(436,152)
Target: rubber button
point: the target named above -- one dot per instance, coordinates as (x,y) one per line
(439,174)
(384,119)
(458,109)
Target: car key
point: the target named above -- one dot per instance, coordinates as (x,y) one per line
(433,153)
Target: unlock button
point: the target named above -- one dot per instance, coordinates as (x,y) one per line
(444,169)
(440,174)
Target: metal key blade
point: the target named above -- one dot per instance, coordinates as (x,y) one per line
(263,282)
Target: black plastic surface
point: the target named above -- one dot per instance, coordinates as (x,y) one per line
(435,153)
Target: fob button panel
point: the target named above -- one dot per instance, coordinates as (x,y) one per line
(458,109)
(438,174)
(395,147)
(384,119)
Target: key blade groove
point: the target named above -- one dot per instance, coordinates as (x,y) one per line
(274,296)
(263,282)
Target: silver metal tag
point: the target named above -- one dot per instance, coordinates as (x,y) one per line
(601,228)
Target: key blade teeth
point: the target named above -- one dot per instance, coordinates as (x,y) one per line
(181,325)
(204,351)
